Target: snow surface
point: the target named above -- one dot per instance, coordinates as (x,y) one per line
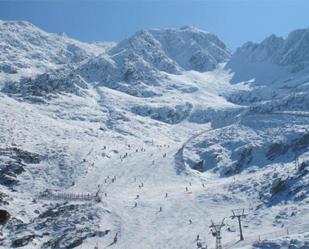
(142,114)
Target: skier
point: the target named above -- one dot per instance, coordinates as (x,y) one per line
(137,196)
(203,185)
(98,199)
(190,221)
(166,195)
(115,238)
(160,210)
(187,189)
(199,244)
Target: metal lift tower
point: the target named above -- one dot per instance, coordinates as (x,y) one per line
(216,232)
(239,214)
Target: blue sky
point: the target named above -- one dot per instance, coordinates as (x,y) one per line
(234,21)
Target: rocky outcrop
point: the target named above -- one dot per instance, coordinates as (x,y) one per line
(46,85)
(59,226)
(166,114)
(13,162)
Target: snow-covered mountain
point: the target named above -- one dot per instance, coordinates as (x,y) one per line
(191,48)
(292,51)
(273,58)
(143,59)
(27,50)
(140,144)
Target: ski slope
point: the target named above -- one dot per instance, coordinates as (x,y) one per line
(92,157)
(126,123)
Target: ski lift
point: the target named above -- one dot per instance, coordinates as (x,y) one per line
(246,224)
(231,229)
(213,232)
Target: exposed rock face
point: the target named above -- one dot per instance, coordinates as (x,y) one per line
(233,149)
(46,84)
(171,115)
(23,241)
(295,242)
(13,162)
(282,188)
(4,216)
(3,199)
(61,226)
(199,166)
(276,150)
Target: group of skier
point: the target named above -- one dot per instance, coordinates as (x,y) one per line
(109,179)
